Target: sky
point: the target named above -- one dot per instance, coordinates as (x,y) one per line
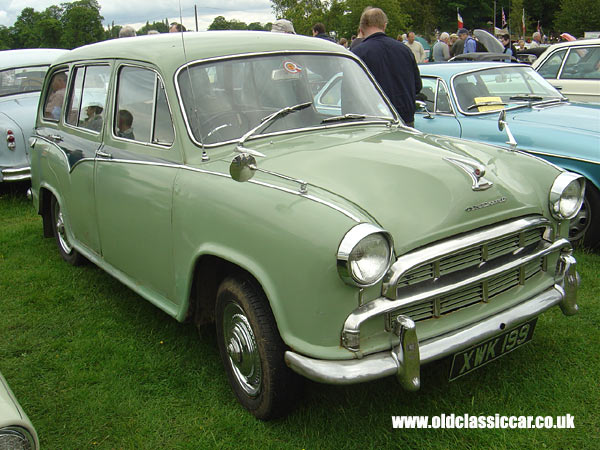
(137,12)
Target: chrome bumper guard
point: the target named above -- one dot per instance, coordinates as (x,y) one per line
(405,360)
(15,174)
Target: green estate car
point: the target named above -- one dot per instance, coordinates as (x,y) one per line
(335,244)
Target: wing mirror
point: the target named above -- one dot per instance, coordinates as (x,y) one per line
(502,124)
(243,167)
(421,107)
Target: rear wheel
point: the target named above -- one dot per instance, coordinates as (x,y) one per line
(66,250)
(252,350)
(584,228)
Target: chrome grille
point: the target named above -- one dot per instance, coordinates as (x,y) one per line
(472,257)
(483,291)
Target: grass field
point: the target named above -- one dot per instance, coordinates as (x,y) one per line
(96,366)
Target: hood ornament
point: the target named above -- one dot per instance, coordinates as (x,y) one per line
(475,170)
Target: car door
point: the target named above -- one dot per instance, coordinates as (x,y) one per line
(70,130)
(134,176)
(439,116)
(579,78)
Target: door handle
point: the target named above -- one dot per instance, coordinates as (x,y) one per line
(101,154)
(56,137)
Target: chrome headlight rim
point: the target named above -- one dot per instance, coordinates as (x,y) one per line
(20,433)
(560,185)
(351,239)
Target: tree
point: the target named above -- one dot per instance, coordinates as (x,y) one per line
(219,23)
(82,23)
(577,16)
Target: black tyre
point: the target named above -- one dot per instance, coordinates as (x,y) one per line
(252,350)
(585,227)
(66,250)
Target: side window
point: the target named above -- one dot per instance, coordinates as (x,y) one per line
(55,96)
(87,100)
(427,93)
(550,68)
(443,101)
(582,63)
(142,112)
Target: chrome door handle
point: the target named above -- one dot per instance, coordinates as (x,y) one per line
(56,137)
(101,154)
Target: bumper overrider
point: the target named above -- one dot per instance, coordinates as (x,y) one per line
(406,358)
(15,174)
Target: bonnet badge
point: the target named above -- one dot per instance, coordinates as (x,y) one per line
(475,170)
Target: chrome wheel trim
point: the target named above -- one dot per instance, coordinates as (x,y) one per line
(581,222)
(242,351)
(61,231)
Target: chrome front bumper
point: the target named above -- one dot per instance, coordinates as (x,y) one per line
(405,360)
(15,174)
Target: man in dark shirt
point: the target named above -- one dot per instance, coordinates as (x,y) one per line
(391,62)
(319,31)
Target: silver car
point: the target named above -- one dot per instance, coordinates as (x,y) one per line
(21,76)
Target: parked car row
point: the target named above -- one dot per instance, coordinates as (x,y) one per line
(263,182)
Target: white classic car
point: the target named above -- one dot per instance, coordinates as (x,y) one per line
(16,431)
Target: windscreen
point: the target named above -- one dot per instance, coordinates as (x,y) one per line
(224,99)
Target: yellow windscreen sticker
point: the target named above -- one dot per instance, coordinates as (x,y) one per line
(483,107)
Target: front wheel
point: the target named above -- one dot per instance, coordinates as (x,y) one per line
(65,248)
(252,350)
(584,228)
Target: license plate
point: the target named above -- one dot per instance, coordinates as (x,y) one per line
(473,358)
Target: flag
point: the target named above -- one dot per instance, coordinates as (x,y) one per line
(523,22)
(503,19)
(538,27)
(460,19)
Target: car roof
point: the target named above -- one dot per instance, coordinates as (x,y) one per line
(575,43)
(447,69)
(167,49)
(29,57)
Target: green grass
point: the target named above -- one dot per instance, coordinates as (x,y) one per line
(96,366)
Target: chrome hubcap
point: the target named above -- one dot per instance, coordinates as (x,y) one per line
(61,231)
(242,349)
(581,222)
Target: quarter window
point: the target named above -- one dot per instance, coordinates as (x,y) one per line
(582,63)
(56,94)
(142,112)
(87,102)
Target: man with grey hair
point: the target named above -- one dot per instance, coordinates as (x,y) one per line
(127,31)
(536,40)
(441,51)
(391,62)
(283,26)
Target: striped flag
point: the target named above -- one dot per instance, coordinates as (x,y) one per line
(523,22)
(460,19)
(503,19)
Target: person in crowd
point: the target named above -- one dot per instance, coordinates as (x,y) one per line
(392,63)
(153,32)
(509,49)
(357,40)
(469,44)
(441,51)
(318,31)
(521,44)
(127,31)
(343,42)
(94,117)
(415,47)
(124,122)
(536,40)
(176,28)
(283,26)
(400,38)
(458,46)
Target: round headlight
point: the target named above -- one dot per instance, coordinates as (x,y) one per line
(566,195)
(15,438)
(364,255)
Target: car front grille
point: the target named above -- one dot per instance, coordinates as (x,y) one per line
(458,273)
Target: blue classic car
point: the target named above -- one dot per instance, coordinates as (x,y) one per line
(513,106)
(21,76)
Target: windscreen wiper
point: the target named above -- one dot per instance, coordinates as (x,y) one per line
(352,116)
(530,97)
(493,103)
(265,121)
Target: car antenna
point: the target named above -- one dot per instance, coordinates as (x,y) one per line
(195,105)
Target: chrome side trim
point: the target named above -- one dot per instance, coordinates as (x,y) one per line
(437,251)
(383,364)
(382,305)
(571,158)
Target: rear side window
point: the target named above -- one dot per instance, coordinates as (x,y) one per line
(582,63)
(55,96)
(552,65)
(87,99)
(142,111)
